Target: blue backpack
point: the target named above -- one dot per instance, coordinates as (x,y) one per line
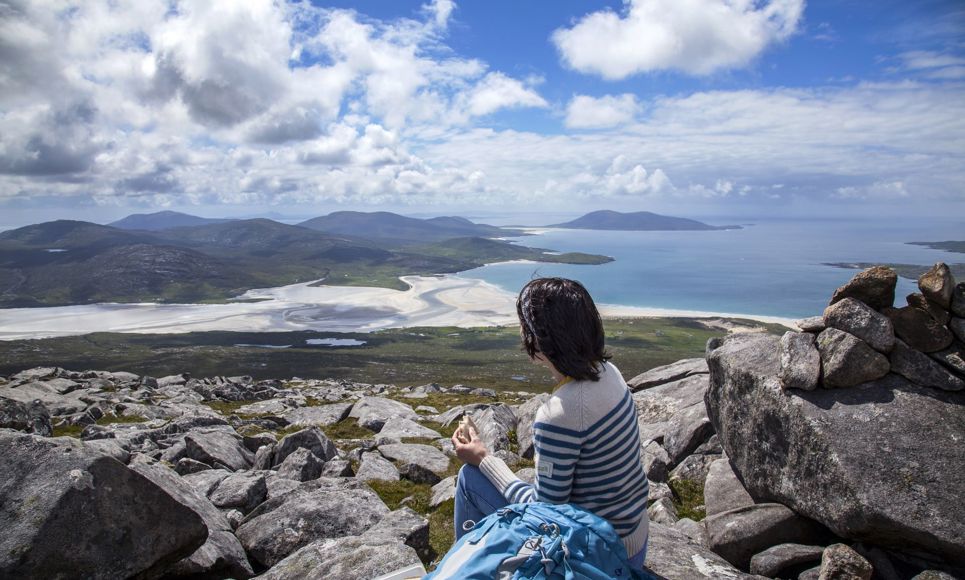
(538,540)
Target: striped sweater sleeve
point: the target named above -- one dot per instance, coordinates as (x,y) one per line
(556,452)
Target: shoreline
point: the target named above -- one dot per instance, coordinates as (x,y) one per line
(446,300)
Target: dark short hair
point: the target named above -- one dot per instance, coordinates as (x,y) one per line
(559,319)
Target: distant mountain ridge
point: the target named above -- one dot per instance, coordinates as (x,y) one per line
(72,262)
(636,221)
(163,220)
(402,230)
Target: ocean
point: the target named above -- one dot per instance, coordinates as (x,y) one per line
(768,268)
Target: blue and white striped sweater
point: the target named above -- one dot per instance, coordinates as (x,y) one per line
(587,453)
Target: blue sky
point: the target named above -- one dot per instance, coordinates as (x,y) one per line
(689,107)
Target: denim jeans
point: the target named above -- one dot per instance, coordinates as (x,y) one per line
(477,497)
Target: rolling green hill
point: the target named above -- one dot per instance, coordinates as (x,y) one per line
(396,230)
(162,220)
(70,262)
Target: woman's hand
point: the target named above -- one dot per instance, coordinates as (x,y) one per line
(473,452)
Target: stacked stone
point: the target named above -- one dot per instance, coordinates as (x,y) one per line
(861,337)
(854,425)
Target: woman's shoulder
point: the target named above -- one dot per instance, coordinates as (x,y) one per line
(577,402)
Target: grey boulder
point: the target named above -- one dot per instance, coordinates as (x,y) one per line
(776,559)
(821,452)
(216,446)
(922,369)
(311,439)
(377,410)
(655,461)
(221,552)
(661,403)
(315,510)
(958,300)
(674,556)
(919,330)
(302,465)
(663,512)
(425,455)
(31,417)
(858,319)
(244,491)
(337,468)
(938,285)
(668,374)
(723,491)
(402,525)
(694,467)
(206,481)
(443,491)
(800,361)
(686,431)
(375,467)
(847,361)
(738,534)
(68,511)
(874,286)
(958,328)
(840,562)
(347,558)
(320,415)
(525,417)
(400,427)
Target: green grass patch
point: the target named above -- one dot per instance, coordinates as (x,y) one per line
(442,532)
(226,408)
(445,401)
(347,429)
(75,430)
(688,498)
(444,430)
(513,441)
(68,431)
(287,430)
(393,492)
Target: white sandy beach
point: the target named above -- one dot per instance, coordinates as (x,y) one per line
(431,301)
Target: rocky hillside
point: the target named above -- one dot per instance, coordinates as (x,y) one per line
(835,452)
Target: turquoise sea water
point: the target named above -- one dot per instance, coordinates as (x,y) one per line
(770,268)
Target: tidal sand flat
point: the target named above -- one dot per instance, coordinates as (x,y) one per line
(430,301)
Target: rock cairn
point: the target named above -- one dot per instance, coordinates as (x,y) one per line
(862,337)
(852,429)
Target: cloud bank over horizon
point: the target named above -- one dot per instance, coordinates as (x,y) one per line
(156,104)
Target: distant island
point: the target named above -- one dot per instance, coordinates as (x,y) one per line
(949,246)
(637,221)
(913,271)
(158,258)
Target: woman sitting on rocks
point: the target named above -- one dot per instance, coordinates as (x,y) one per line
(587,444)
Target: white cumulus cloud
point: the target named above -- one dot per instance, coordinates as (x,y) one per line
(498,91)
(586,112)
(697,37)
